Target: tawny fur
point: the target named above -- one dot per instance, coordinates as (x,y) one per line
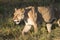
(46,12)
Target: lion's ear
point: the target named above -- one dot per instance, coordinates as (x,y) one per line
(15,9)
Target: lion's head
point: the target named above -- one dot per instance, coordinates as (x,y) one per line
(18,15)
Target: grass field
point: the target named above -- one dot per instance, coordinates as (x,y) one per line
(10,31)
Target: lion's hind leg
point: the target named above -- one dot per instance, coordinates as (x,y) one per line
(58,22)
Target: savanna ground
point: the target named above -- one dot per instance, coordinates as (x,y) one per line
(10,31)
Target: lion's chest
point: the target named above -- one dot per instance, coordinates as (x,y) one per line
(29,22)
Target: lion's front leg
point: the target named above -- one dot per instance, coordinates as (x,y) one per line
(35,27)
(26,29)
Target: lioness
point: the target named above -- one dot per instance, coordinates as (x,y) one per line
(29,17)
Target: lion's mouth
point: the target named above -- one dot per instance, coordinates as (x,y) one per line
(16,21)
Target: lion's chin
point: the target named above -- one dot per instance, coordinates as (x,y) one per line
(17,22)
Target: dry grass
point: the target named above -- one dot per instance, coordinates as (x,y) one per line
(9,31)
